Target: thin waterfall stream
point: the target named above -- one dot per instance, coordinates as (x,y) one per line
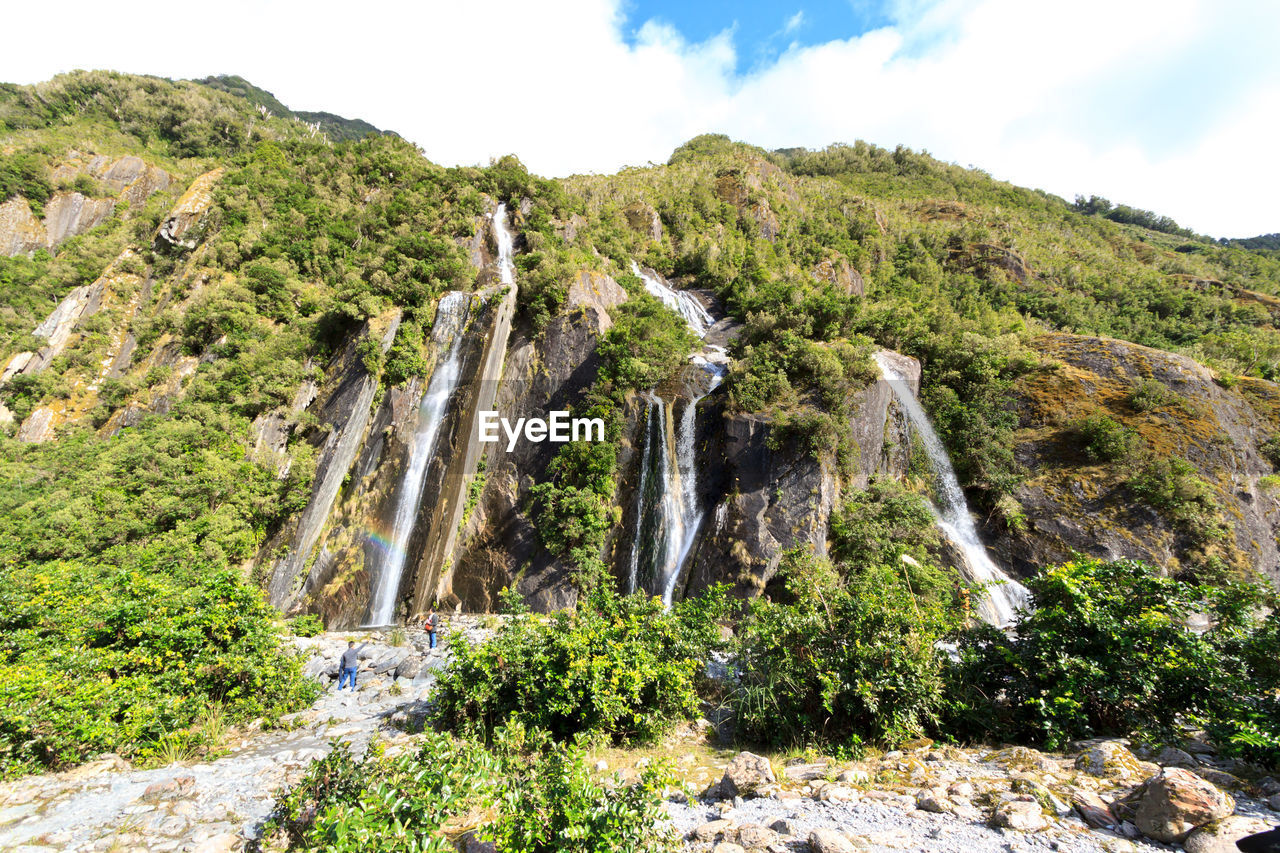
(447,335)
(668,510)
(1005,596)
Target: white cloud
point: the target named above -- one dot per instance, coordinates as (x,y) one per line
(793,23)
(1170,105)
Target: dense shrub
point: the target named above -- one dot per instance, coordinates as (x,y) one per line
(1174,487)
(1103,439)
(532,795)
(1149,394)
(306,625)
(103,660)
(846,662)
(620,667)
(1107,652)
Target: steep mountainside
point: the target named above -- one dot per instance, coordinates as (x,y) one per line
(237,346)
(174,248)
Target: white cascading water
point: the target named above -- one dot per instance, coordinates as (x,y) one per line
(684,304)
(451,316)
(1005,596)
(667,521)
(506,245)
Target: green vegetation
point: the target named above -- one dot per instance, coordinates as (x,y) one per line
(535,795)
(122,618)
(129,620)
(620,667)
(306,625)
(1107,652)
(848,661)
(1103,439)
(25,175)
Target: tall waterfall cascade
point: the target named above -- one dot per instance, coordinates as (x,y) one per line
(446,334)
(1005,596)
(668,510)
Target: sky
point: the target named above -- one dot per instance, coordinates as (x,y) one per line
(1168,105)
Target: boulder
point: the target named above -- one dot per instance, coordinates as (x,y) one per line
(1176,802)
(1221,835)
(1022,815)
(711,830)
(1094,811)
(1110,760)
(1022,758)
(223,843)
(746,774)
(805,772)
(1171,756)
(753,836)
(934,801)
(410,667)
(829,841)
(727,847)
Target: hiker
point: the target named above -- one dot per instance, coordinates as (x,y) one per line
(430,627)
(350,662)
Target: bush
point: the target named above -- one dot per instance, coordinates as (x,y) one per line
(100,661)
(1103,439)
(846,663)
(1149,394)
(1106,652)
(620,667)
(306,625)
(1173,486)
(532,794)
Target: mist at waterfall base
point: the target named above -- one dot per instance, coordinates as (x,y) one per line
(668,510)
(1004,596)
(390,549)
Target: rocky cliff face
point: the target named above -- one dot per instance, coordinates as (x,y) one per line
(499,546)
(1177,411)
(129,180)
(123,291)
(767,500)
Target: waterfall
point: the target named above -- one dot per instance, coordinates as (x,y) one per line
(1006,596)
(684,304)
(451,316)
(668,511)
(506,245)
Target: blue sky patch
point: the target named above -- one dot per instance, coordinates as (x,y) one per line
(761,31)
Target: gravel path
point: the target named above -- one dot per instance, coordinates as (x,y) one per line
(213,806)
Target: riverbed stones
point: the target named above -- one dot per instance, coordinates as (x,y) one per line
(1177,801)
(746,775)
(829,841)
(1022,815)
(1220,836)
(1111,760)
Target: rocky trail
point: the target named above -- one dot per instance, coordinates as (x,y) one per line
(1101,797)
(214,806)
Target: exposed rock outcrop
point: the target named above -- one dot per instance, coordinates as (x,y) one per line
(771,499)
(188,211)
(20,232)
(344,410)
(541,374)
(70,213)
(1074,504)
